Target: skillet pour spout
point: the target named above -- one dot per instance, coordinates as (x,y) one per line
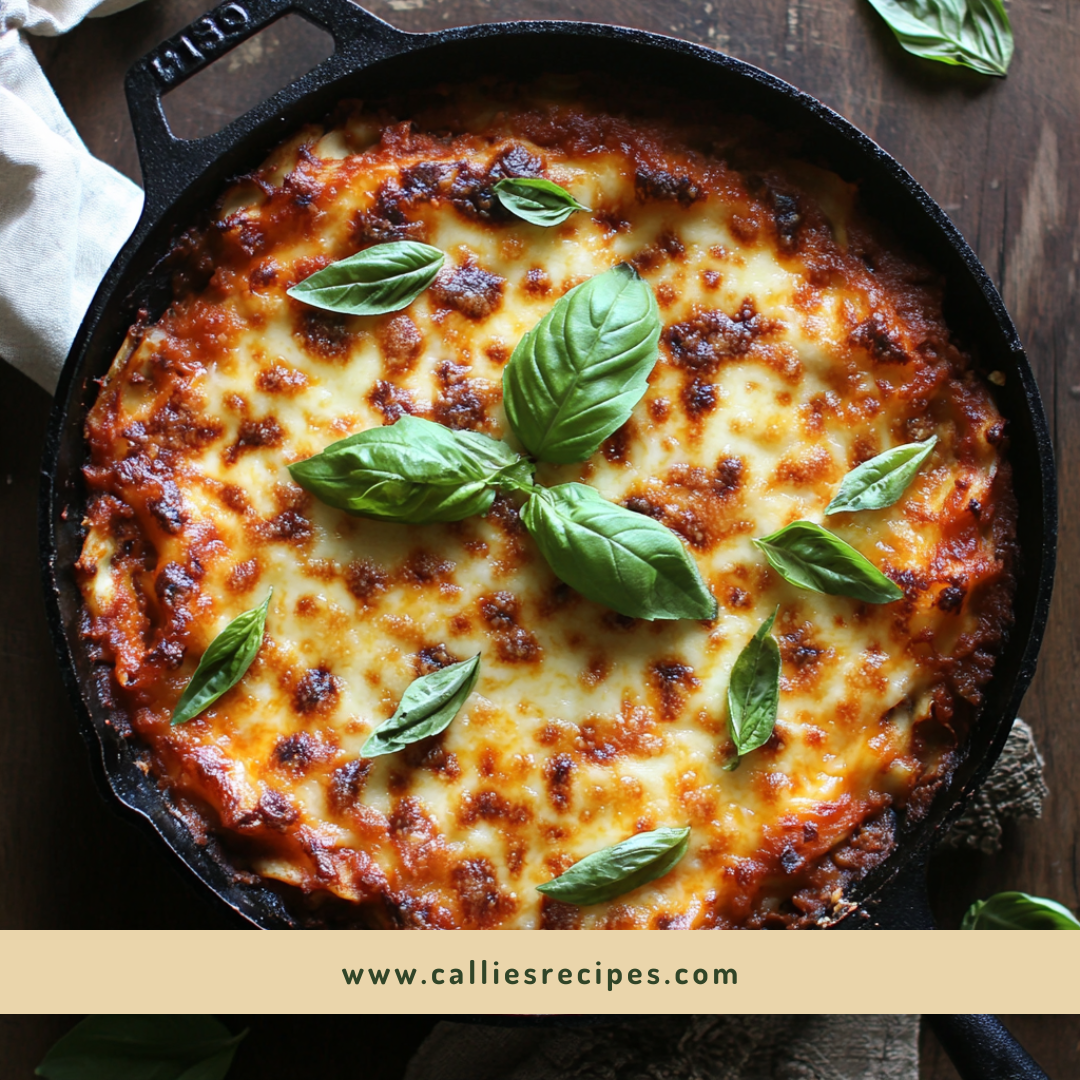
(183,177)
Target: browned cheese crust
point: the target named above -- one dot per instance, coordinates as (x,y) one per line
(797,342)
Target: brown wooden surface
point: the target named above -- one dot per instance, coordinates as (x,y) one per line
(379,1047)
(1001,156)
(276,1048)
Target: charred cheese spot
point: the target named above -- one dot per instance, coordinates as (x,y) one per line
(501,612)
(281,379)
(795,344)
(253,435)
(659,184)
(434,658)
(347,784)
(712,336)
(316,692)
(558,773)
(463,402)
(469,289)
(365,580)
(401,343)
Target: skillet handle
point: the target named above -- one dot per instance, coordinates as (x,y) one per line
(168,163)
(982,1048)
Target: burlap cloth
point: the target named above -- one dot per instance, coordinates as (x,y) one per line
(732,1047)
(677,1047)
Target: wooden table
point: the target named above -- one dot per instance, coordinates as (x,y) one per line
(1001,156)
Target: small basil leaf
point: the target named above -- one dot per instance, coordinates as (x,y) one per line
(386,277)
(617,870)
(211,1068)
(224,663)
(412,472)
(576,376)
(1018,911)
(611,555)
(537,201)
(426,708)
(811,557)
(969,33)
(754,691)
(142,1047)
(879,482)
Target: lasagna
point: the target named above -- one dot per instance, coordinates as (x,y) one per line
(797,341)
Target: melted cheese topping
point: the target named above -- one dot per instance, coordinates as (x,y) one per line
(795,346)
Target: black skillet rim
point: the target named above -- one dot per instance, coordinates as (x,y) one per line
(116,765)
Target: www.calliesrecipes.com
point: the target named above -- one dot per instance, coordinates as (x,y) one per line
(483,973)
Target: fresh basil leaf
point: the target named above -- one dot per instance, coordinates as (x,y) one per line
(879,482)
(576,376)
(537,201)
(617,870)
(412,472)
(811,557)
(1018,911)
(426,708)
(142,1048)
(754,690)
(224,663)
(969,33)
(386,277)
(211,1068)
(611,555)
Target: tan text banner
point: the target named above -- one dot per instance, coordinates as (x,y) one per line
(527,972)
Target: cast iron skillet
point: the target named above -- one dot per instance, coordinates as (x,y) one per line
(183,178)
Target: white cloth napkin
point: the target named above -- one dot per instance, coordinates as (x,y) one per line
(63,214)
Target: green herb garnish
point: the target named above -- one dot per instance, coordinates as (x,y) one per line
(427,707)
(617,870)
(413,472)
(379,279)
(142,1048)
(537,201)
(879,482)
(811,557)
(574,379)
(754,691)
(969,33)
(224,663)
(627,561)
(1018,911)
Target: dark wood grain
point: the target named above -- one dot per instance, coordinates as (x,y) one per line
(1001,156)
(379,1047)
(275,1048)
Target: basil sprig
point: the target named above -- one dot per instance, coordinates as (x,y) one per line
(224,663)
(754,691)
(617,870)
(386,277)
(412,472)
(619,558)
(572,381)
(134,1047)
(969,33)
(811,557)
(576,376)
(537,201)
(879,482)
(426,708)
(1018,911)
